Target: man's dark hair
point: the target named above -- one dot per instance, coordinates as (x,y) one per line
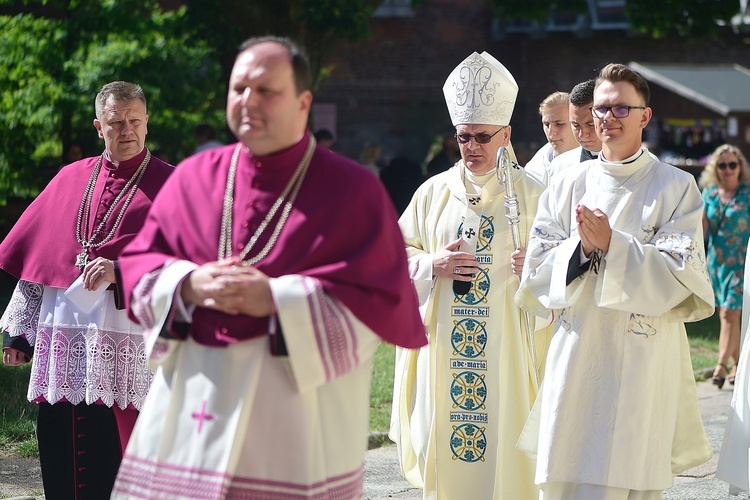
(323,135)
(297,58)
(614,73)
(205,130)
(583,93)
(119,91)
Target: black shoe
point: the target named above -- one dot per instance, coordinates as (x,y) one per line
(717,379)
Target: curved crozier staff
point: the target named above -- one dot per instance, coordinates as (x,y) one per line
(505,171)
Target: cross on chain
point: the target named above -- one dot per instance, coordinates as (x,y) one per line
(200,417)
(469,233)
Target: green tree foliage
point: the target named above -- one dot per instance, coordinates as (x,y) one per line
(316,24)
(57,54)
(694,19)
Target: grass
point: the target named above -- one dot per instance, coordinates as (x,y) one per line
(381,388)
(18,419)
(704,345)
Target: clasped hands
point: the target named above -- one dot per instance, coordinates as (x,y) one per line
(230,287)
(593,229)
(450,259)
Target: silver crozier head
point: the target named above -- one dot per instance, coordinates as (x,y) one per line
(503,157)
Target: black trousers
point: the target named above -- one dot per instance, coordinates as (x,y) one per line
(79,451)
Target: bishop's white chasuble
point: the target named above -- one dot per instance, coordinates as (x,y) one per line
(460,403)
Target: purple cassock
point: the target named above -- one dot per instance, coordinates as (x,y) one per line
(42,245)
(338,233)
(89,369)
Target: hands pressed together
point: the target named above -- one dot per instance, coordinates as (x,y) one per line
(594,229)
(230,287)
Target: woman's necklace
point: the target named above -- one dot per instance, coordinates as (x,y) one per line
(84,211)
(293,187)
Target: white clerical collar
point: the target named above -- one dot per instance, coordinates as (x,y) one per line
(478,180)
(627,160)
(628,166)
(116,163)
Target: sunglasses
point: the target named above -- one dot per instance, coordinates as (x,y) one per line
(617,111)
(731,165)
(480,138)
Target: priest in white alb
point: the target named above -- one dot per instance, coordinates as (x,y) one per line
(460,403)
(616,250)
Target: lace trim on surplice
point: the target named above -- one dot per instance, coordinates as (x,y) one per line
(84,363)
(21,317)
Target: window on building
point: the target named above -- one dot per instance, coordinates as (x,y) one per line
(608,14)
(394,8)
(600,15)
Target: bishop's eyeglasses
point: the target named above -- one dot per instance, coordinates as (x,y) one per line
(480,138)
(617,111)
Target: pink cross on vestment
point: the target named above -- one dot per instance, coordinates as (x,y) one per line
(202,416)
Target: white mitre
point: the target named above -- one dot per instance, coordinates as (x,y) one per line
(480,91)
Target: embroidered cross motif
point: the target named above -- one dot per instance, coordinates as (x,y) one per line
(200,417)
(469,233)
(475,201)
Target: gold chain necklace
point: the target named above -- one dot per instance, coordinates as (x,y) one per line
(84,211)
(293,187)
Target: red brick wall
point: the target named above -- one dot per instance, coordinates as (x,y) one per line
(389,87)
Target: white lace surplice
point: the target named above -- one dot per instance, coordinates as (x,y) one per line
(94,357)
(21,317)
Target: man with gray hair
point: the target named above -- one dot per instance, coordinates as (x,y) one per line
(460,403)
(89,372)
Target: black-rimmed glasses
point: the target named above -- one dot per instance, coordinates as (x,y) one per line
(731,165)
(480,138)
(617,111)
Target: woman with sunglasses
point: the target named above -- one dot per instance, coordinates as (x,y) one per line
(726,226)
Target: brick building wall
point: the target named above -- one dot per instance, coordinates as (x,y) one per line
(388,88)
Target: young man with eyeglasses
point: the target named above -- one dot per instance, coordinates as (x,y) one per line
(616,251)
(460,403)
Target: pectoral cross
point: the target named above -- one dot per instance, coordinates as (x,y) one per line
(82,259)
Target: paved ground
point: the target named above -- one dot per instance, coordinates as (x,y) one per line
(20,479)
(383,478)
